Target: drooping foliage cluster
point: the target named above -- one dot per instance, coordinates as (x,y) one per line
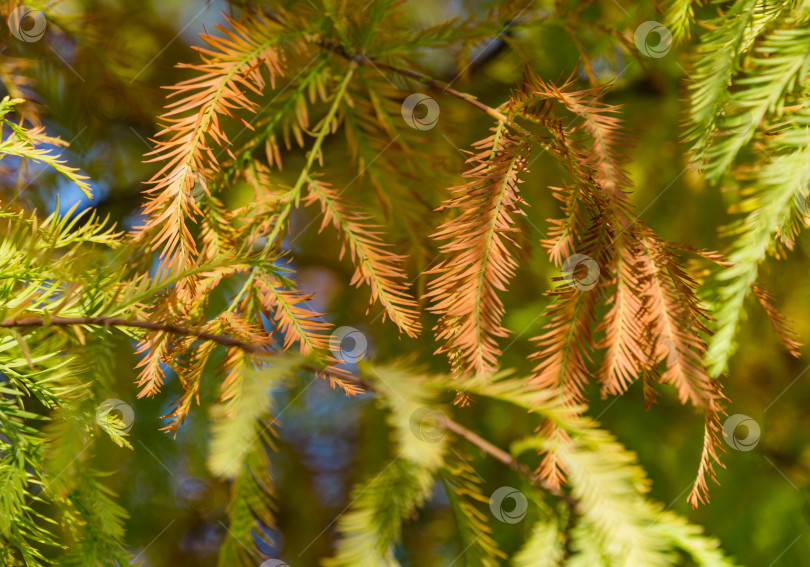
(747,128)
(203,286)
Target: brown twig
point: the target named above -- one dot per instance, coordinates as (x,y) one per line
(108,322)
(499,454)
(366,61)
(496,452)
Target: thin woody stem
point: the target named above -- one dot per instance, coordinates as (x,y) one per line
(500,455)
(496,452)
(428,81)
(108,322)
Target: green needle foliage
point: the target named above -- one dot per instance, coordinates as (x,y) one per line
(311,152)
(747,124)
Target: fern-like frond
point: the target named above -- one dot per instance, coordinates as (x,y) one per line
(626,352)
(375,264)
(252,501)
(712,433)
(239,423)
(776,67)
(564,234)
(705,551)
(373,524)
(413,416)
(463,487)
(23,530)
(675,317)
(479,258)
(294,321)
(25,143)
(233,65)
(609,487)
(775,208)
(152,376)
(586,551)
(96,522)
(680,15)
(779,322)
(717,60)
(562,353)
(241,436)
(545,547)
(383,150)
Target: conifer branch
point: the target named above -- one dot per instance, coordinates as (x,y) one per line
(430,82)
(108,322)
(496,452)
(500,455)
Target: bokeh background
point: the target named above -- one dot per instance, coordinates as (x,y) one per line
(97,79)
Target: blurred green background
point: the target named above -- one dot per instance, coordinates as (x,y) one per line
(99,77)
